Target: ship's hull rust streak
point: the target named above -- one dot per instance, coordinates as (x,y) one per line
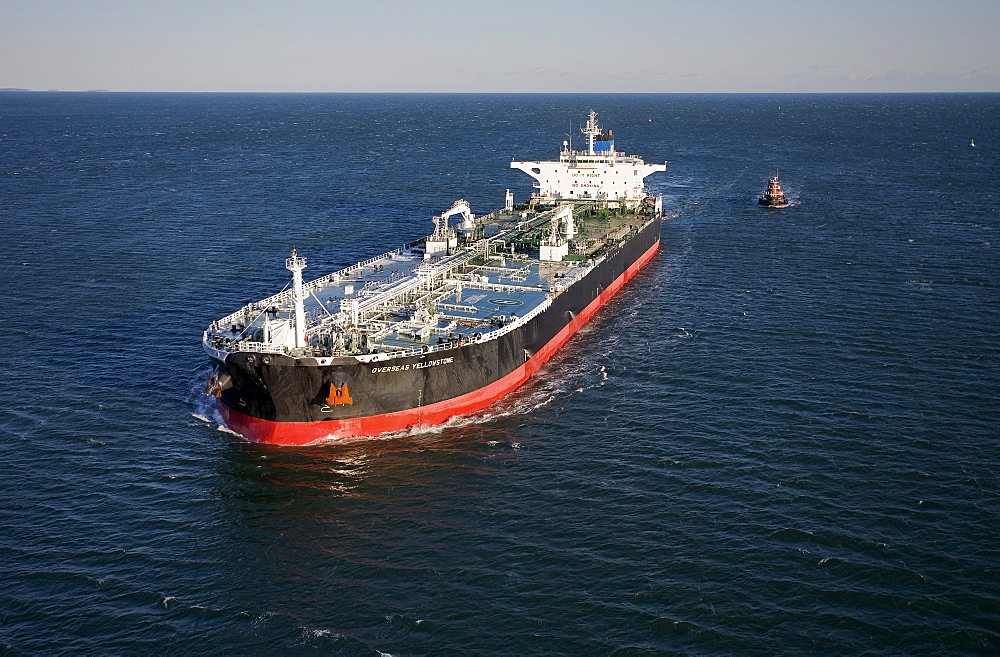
(302,433)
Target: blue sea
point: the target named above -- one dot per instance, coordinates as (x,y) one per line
(780,439)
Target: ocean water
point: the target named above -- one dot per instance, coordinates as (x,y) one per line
(780,439)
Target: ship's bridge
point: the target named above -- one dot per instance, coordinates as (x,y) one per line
(600,172)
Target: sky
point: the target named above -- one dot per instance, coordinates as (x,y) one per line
(579,46)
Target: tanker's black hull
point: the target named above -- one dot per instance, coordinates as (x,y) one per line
(278,399)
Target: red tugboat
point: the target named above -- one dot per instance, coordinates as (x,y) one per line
(773,197)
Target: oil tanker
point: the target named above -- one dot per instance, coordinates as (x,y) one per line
(447,324)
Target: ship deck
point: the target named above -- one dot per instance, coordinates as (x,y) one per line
(400,301)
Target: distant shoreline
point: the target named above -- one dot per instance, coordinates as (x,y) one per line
(515,93)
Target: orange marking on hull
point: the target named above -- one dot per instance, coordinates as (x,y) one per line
(339,395)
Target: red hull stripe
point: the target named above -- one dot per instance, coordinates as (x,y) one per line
(301,433)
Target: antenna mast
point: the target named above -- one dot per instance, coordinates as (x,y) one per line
(296,264)
(591,131)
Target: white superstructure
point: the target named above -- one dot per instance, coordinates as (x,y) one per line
(600,172)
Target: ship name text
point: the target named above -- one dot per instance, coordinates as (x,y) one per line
(412,366)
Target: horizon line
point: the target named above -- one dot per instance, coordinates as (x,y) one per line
(510,93)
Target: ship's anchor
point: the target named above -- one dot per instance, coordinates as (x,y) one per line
(217,383)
